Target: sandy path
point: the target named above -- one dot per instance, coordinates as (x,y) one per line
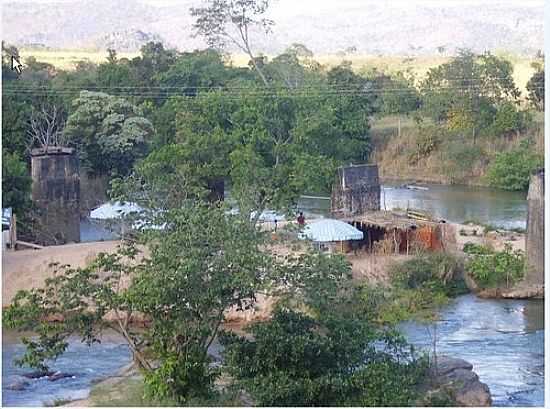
(25,269)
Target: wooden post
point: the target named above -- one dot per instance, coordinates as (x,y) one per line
(407,241)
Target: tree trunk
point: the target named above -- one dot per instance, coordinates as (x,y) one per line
(258,70)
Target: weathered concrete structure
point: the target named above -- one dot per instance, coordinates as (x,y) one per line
(356,190)
(534,239)
(56,194)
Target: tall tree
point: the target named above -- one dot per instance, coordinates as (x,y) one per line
(464,93)
(231,21)
(109,132)
(399,97)
(535,85)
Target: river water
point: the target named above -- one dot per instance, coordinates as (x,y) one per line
(453,203)
(502,339)
(86,364)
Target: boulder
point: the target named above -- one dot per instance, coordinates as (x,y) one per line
(59,375)
(18,385)
(456,376)
(447,364)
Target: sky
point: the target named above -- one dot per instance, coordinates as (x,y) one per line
(331,3)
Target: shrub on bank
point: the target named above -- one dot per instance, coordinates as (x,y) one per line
(494,268)
(512,170)
(334,360)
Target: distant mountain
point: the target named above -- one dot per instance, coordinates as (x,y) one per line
(125,40)
(373,27)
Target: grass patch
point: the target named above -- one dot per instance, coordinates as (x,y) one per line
(129,392)
(419,287)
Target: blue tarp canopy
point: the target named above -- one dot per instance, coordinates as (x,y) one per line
(331,230)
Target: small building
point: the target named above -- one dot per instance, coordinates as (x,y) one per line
(334,236)
(355,191)
(390,232)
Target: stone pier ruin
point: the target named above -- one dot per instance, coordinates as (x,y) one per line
(534,240)
(356,190)
(56,195)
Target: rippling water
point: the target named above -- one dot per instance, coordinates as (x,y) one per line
(503,339)
(86,364)
(454,203)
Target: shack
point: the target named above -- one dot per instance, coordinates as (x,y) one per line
(391,232)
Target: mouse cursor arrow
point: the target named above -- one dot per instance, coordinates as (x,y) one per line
(16,65)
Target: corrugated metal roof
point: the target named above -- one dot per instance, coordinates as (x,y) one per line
(326,230)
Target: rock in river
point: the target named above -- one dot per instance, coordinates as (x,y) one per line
(457,375)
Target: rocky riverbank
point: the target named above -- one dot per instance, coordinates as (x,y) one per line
(457,383)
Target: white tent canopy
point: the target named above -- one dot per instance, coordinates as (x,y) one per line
(114,210)
(326,230)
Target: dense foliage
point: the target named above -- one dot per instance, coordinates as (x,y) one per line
(420,286)
(495,268)
(109,132)
(512,170)
(16,182)
(297,360)
(180,280)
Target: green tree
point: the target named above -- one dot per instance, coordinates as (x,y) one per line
(464,93)
(200,69)
(298,360)
(109,132)
(203,263)
(181,280)
(492,269)
(16,182)
(535,87)
(399,97)
(221,22)
(512,170)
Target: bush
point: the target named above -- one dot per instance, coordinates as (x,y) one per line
(424,145)
(435,271)
(296,360)
(16,182)
(512,170)
(461,159)
(493,269)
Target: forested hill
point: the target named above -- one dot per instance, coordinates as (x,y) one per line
(362,26)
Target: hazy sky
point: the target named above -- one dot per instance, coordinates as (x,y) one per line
(331,3)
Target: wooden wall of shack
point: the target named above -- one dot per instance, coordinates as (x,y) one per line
(404,239)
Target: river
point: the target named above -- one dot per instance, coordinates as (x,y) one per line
(503,339)
(450,202)
(86,364)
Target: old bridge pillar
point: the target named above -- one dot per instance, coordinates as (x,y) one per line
(534,239)
(56,194)
(356,190)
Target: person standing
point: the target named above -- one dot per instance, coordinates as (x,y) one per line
(301,219)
